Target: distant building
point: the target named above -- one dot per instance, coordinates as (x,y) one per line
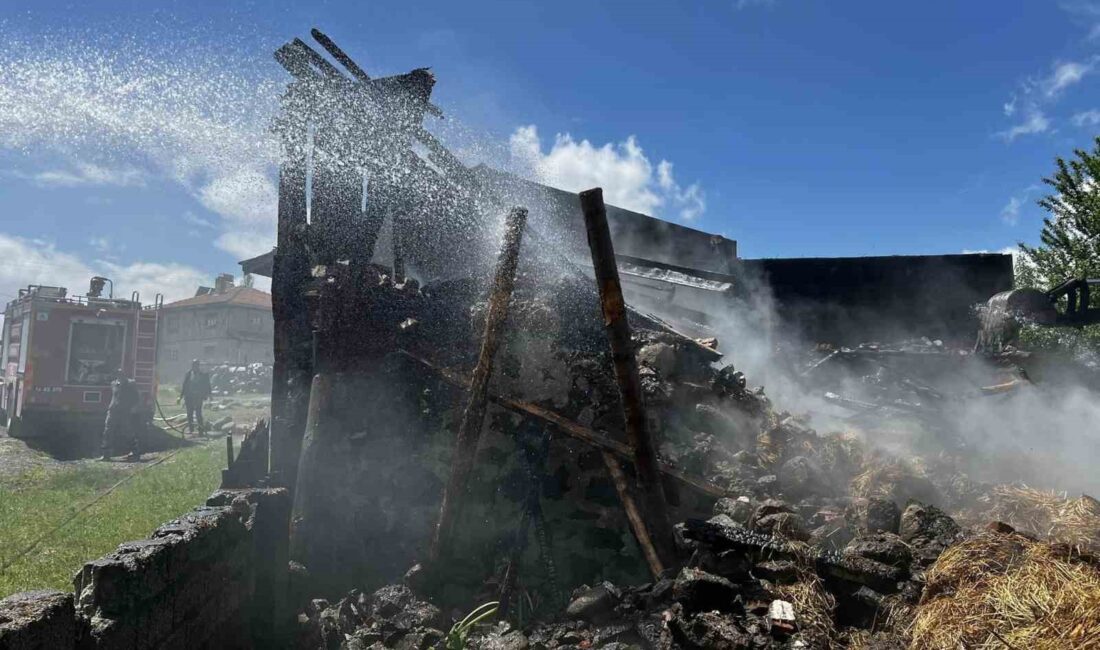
(223,324)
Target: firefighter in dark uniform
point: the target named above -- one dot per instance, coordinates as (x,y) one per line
(122,416)
(195,390)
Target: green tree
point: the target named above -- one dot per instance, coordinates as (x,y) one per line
(1069,244)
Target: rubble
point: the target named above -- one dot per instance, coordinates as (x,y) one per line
(585,428)
(229,379)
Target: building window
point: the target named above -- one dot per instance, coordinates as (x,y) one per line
(173,354)
(211,321)
(95,352)
(257,321)
(173,323)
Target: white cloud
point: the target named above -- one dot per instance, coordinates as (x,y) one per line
(1036,95)
(190,118)
(196,220)
(1086,13)
(106,245)
(1036,122)
(625,173)
(1087,118)
(1065,75)
(1010,214)
(245,244)
(247,196)
(85,174)
(28,261)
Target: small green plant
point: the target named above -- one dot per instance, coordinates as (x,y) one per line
(460,631)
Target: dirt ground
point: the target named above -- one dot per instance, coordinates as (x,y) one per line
(16,458)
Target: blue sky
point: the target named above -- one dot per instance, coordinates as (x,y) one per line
(797,127)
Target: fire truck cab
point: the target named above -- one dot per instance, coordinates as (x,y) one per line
(60,354)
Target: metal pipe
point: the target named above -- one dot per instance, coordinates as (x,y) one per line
(626,373)
(469,431)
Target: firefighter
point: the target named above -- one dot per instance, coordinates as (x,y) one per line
(122,416)
(195,390)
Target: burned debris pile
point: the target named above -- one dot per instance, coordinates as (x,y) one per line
(457,432)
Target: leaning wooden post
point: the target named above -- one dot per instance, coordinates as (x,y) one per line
(469,430)
(633,515)
(626,374)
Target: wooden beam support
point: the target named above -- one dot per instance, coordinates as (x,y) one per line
(293,362)
(469,432)
(633,515)
(646,468)
(571,428)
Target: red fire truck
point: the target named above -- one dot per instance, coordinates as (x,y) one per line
(60,354)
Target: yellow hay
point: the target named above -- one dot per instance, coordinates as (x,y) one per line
(1048,515)
(813,607)
(890,478)
(997,591)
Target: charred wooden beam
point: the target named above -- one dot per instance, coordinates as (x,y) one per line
(719,536)
(320,399)
(633,515)
(626,373)
(338,54)
(469,432)
(293,359)
(398,234)
(571,428)
(337,216)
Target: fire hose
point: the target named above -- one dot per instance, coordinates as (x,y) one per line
(168,422)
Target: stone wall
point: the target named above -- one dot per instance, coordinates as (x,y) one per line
(210,579)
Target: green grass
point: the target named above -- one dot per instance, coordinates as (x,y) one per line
(246,408)
(39,499)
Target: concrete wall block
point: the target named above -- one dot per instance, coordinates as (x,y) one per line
(153,625)
(37,620)
(260,501)
(232,575)
(204,532)
(219,622)
(119,582)
(110,634)
(189,586)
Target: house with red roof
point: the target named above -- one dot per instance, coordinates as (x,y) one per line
(221,324)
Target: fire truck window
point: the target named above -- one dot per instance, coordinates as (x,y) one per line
(95,353)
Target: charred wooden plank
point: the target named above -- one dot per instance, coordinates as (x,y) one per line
(469,432)
(626,372)
(633,515)
(293,359)
(338,54)
(571,428)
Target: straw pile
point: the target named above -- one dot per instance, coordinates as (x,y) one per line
(894,479)
(998,590)
(814,608)
(1048,515)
